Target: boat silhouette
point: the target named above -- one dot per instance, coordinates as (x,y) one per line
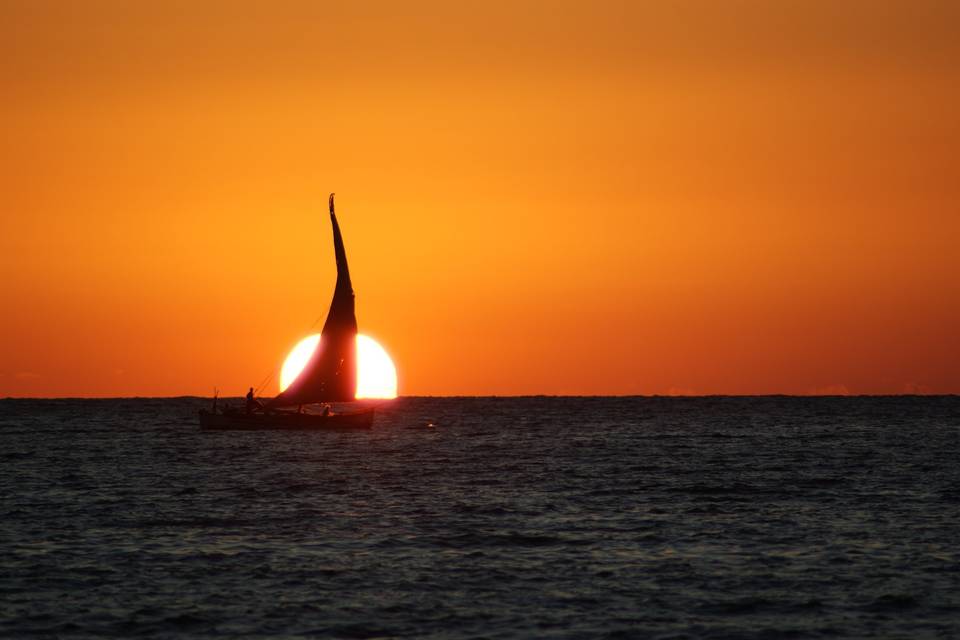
(330,374)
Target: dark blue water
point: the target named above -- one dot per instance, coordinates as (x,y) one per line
(533,517)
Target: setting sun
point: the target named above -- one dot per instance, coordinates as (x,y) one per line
(376,373)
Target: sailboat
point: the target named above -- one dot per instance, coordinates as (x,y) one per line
(330,374)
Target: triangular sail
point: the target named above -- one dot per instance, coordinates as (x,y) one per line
(330,374)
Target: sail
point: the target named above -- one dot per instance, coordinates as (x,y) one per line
(330,374)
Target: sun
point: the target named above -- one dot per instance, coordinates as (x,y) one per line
(376,373)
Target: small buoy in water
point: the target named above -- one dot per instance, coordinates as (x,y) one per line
(430,424)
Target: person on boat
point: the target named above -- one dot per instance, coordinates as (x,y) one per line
(252,403)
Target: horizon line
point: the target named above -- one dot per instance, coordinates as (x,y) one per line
(525,395)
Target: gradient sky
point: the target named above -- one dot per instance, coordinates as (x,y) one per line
(536,197)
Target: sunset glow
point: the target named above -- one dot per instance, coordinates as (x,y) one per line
(376,373)
(604,197)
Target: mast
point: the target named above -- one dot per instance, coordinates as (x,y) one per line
(330,374)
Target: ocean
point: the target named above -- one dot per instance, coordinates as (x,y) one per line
(538,517)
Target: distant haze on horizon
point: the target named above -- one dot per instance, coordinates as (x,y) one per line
(743,197)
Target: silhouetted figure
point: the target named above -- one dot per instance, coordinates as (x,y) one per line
(326,410)
(252,403)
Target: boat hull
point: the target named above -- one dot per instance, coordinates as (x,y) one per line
(286,421)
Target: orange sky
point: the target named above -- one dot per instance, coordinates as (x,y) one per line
(536,197)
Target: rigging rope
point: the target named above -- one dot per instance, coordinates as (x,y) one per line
(269,378)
